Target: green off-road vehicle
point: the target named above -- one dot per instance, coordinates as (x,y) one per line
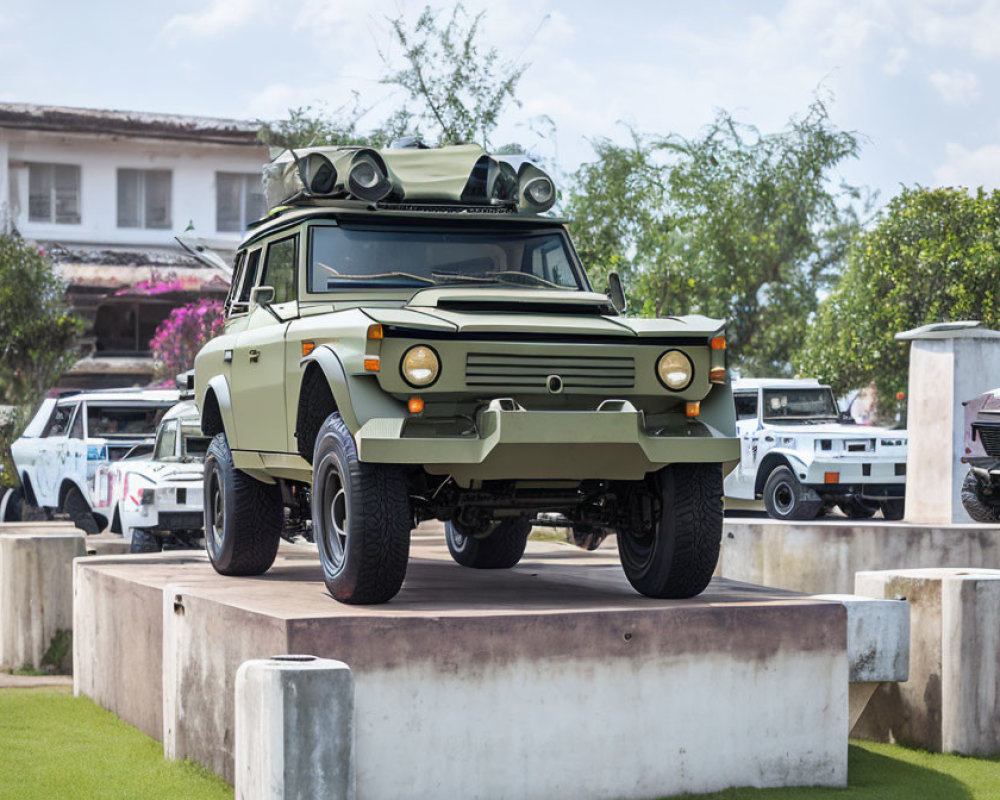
(407,338)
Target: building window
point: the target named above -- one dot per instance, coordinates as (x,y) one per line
(144,198)
(54,193)
(239,200)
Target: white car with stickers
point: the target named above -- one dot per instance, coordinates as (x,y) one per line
(799,454)
(156,501)
(58,455)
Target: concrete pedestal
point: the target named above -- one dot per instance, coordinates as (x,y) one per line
(823,555)
(949,364)
(294,729)
(951,702)
(36,597)
(554,679)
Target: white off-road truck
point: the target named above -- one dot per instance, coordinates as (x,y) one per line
(58,455)
(802,456)
(156,500)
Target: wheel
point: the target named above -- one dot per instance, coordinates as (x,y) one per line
(502,548)
(677,557)
(785,498)
(857,507)
(144,542)
(974,502)
(893,509)
(361,519)
(587,537)
(11,504)
(76,506)
(242,515)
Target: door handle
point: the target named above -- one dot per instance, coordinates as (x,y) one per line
(254,355)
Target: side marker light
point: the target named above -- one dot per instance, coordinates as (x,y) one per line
(718,342)
(372,364)
(416,405)
(693,408)
(308,347)
(375,331)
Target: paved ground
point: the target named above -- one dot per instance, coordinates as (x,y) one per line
(33,681)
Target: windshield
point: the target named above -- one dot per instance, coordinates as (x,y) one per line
(366,257)
(799,405)
(123,420)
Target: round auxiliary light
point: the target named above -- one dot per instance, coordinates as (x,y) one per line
(540,191)
(365,175)
(675,370)
(420,366)
(367,179)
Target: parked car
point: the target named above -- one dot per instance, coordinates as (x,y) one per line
(981,487)
(156,500)
(802,456)
(408,334)
(58,455)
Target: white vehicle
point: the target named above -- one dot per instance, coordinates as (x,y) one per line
(157,500)
(798,454)
(58,455)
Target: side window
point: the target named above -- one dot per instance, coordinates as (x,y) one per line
(279,269)
(234,286)
(746,406)
(249,279)
(76,432)
(60,421)
(166,442)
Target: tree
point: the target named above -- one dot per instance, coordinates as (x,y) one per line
(182,334)
(460,87)
(932,255)
(733,224)
(38,332)
(309,126)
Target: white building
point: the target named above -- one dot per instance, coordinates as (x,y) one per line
(105,193)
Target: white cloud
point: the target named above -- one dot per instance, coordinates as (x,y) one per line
(957,87)
(894,60)
(965,167)
(972,27)
(216,19)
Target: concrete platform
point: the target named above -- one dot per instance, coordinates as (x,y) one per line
(822,556)
(553,679)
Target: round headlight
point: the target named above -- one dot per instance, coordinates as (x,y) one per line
(675,370)
(420,366)
(539,191)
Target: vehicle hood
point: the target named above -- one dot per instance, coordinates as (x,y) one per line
(463,310)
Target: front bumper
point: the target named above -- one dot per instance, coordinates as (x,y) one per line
(871,477)
(508,442)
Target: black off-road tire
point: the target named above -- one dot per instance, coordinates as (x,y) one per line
(361,519)
(587,537)
(858,508)
(75,505)
(677,558)
(786,498)
(15,503)
(144,542)
(893,509)
(501,549)
(243,516)
(974,503)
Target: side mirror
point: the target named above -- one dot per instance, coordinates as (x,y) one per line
(261,296)
(616,294)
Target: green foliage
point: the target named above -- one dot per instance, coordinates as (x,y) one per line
(733,224)
(932,255)
(459,87)
(310,126)
(38,332)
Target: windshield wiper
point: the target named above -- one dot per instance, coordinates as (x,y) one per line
(355,277)
(499,277)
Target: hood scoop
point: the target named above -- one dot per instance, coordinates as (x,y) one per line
(534,301)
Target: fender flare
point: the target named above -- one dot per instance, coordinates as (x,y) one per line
(336,377)
(772,460)
(219,387)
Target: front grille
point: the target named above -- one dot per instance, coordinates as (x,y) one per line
(529,372)
(990,437)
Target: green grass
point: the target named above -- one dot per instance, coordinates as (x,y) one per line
(54,745)
(548,535)
(890,772)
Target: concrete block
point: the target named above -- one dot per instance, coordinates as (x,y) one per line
(878,637)
(822,556)
(948,365)
(107,544)
(506,685)
(951,702)
(294,729)
(36,598)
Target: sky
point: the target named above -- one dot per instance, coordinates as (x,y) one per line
(918,78)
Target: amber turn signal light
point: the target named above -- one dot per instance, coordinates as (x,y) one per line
(831,477)
(717,375)
(372,364)
(308,347)
(416,405)
(718,342)
(693,408)
(375,331)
